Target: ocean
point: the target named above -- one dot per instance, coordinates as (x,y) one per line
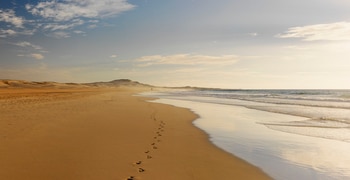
(289,134)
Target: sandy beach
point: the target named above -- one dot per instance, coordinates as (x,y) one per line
(103,134)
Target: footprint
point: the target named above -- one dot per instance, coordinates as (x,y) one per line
(138,162)
(130,178)
(149,157)
(141,170)
(146,152)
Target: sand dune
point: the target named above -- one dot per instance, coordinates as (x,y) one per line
(46,84)
(33,84)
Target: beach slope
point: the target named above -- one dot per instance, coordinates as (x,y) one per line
(93,133)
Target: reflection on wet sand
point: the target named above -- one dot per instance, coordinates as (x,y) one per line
(241,131)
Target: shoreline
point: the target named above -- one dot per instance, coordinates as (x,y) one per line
(250,134)
(107,134)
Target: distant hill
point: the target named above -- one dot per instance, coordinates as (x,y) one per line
(7,83)
(119,82)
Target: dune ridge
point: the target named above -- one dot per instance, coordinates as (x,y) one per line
(9,83)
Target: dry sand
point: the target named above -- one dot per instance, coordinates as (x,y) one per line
(99,134)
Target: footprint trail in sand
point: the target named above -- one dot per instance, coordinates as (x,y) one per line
(160,128)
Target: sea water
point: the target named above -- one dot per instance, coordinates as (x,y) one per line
(289,134)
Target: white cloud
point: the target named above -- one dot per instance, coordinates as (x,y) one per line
(29,47)
(10,32)
(10,17)
(60,34)
(34,55)
(37,56)
(113,56)
(92,26)
(60,18)
(6,33)
(253,34)
(187,59)
(332,32)
(27,32)
(94,21)
(28,44)
(79,32)
(56,26)
(70,9)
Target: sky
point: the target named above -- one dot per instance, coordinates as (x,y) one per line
(250,44)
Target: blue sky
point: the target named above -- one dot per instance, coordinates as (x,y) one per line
(224,43)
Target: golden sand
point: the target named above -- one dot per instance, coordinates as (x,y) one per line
(105,134)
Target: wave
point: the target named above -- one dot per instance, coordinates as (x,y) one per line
(312,98)
(325,118)
(315,128)
(302,102)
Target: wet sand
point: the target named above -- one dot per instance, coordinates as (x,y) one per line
(95,134)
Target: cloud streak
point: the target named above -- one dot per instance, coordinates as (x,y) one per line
(332,32)
(37,56)
(31,49)
(56,26)
(187,59)
(60,34)
(6,33)
(26,44)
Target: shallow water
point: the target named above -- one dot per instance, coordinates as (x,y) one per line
(279,144)
(327,113)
